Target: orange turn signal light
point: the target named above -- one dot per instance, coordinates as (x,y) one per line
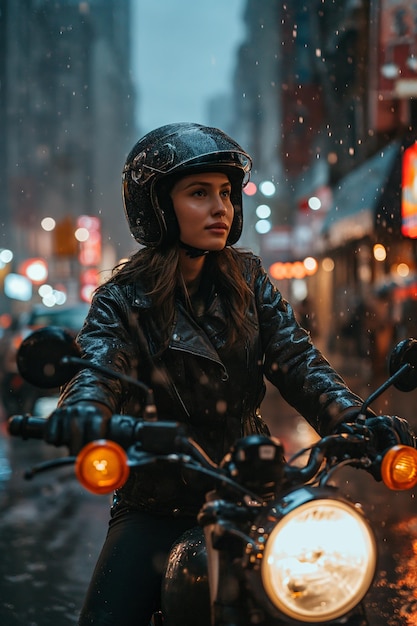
(102,466)
(399,468)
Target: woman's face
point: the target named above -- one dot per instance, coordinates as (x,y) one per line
(204,210)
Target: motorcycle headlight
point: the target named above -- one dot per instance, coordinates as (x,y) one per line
(319,561)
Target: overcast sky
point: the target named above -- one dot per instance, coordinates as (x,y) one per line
(183,56)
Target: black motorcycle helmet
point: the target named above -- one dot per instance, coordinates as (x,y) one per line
(159,159)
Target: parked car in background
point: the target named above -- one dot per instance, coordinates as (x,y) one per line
(18,396)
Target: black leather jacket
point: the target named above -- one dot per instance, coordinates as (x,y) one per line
(216,392)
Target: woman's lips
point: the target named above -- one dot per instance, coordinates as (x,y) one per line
(218,226)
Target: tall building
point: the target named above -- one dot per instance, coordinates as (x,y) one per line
(67,105)
(299,94)
(325,100)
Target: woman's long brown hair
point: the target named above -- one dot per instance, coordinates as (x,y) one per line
(158,270)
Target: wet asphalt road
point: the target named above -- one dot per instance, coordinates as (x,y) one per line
(50,534)
(51,530)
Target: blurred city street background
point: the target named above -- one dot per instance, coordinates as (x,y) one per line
(323,95)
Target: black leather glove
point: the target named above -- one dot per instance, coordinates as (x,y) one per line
(390,430)
(74,426)
(385,431)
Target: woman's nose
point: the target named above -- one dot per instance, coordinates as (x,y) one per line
(219,207)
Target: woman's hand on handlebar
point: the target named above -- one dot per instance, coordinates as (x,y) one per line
(390,430)
(76,425)
(384,432)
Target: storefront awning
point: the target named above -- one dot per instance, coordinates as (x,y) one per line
(356,198)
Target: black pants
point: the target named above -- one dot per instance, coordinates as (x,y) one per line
(125,587)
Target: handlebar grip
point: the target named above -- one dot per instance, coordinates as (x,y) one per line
(26,426)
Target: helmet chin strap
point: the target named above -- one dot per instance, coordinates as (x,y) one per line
(192,252)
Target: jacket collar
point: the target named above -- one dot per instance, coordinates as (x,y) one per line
(186,335)
(189,337)
(138,297)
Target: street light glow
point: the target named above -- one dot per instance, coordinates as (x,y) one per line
(263,226)
(5,256)
(263,211)
(314,203)
(250,189)
(403,270)
(267,187)
(380,253)
(327,264)
(48,223)
(35,269)
(82,234)
(45,290)
(310,264)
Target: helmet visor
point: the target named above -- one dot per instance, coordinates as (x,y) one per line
(166,163)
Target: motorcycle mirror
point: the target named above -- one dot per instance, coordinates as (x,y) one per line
(39,357)
(405,352)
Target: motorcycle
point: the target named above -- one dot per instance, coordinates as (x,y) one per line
(268,544)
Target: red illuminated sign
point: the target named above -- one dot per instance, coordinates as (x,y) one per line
(409,192)
(90,246)
(89,234)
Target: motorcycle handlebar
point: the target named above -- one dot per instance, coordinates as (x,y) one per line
(164,438)
(161,437)
(27,426)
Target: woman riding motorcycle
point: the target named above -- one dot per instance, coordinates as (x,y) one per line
(200,322)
